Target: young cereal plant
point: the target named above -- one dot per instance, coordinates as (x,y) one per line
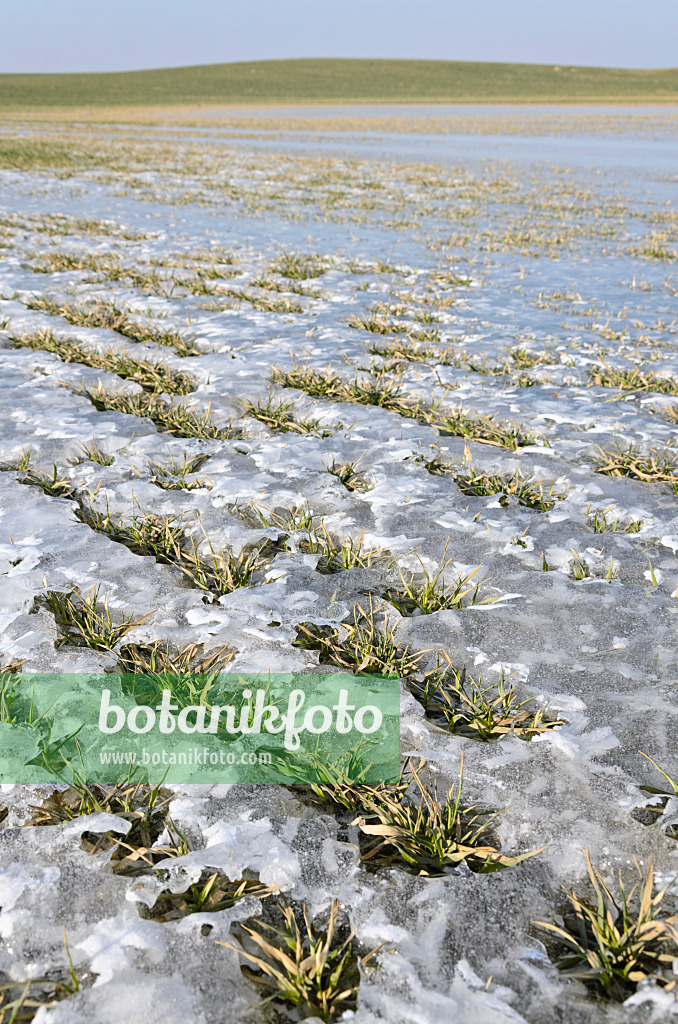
(92,453)
(339,555)
(483,429)
(377,325)
(339,785)
(380,391)
(181,420)
(316,383)
(54,485)
(296,287)
(87,622)
(143,806)
(580,569)
(386,393)
(220,573)
(633,380)
(152,376)
(176,476)
(165,539)
(157,536)
(21,1001)
(404,349)
(600,523)
(298,267)
(289,519)
(279,417)
(425,593)
(480,484)
(209,895)
(192,675)
(311,969)
(107,315)
(655,811)
(670,412)
(19,465)
(264,303)
(350,476)
(360,647)
(655,467)
(615,943)
(523,359)
(480,712)
(429,835)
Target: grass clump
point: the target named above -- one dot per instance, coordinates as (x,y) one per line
(430,835)
(360,647)
(338,555)
(387,394)
(58,262)
(600,523)
(426,593)
(649,815)
(613,943)
(142,533)
(310,969)
(377,325)
(162,664)
(339,785)
(181,420)
(523,359)
(165,538)
(279,417)
(298,267)
(265,303)
(288,519)
(480,712)
(107,315)
(659,467)
(483,429)
(478,483)
(18,465)
(349,475)
(84,621)
(152,377)
(633,380)
(92,453)
(220,573)
(209,895)
(143,806)
(176,476)
(53,485)
(404,349)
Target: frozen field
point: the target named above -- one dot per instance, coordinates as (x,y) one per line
(346,360)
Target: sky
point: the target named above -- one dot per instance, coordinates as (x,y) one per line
(121,35)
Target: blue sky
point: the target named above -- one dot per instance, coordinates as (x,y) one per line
(109,35)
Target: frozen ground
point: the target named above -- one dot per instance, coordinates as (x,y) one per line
(465,257)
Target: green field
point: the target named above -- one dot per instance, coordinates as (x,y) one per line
(340,81)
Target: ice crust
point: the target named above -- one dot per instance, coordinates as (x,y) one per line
(600,652)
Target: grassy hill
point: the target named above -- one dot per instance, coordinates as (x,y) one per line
(341,81)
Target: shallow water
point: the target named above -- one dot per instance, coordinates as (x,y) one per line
(561,256)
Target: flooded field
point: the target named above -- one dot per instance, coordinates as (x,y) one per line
(369,391)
